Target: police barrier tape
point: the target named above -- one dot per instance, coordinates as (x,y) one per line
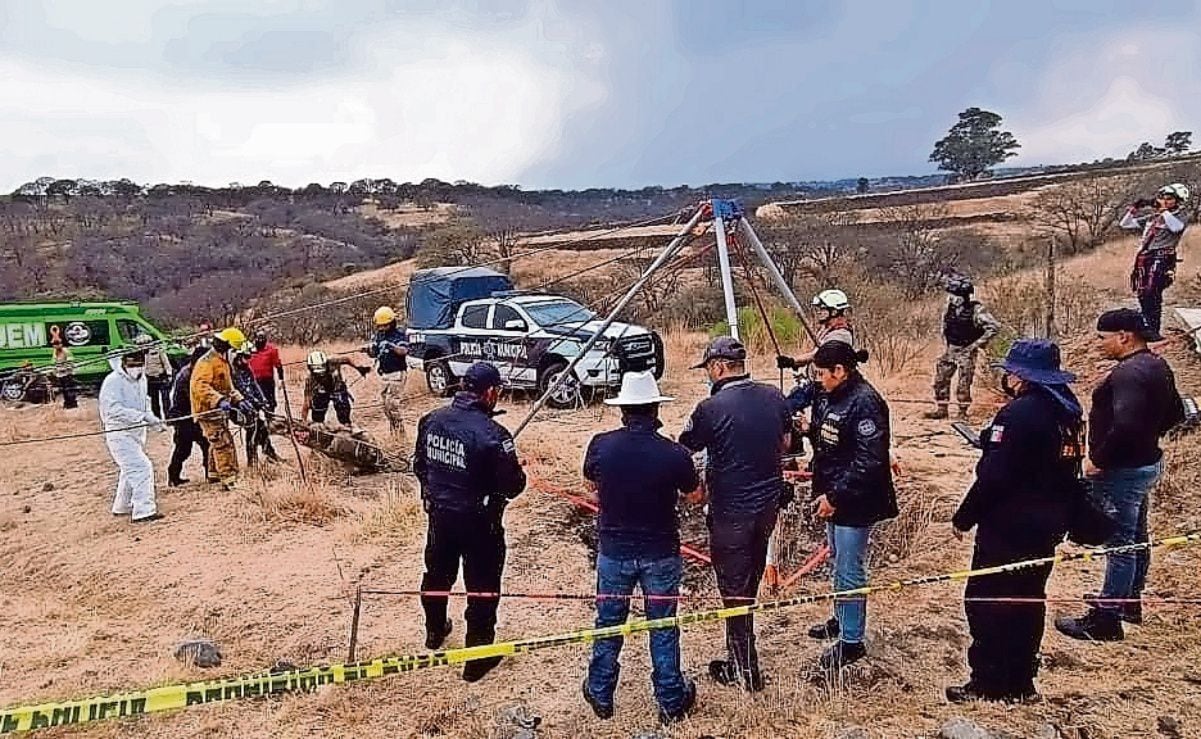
(169,697)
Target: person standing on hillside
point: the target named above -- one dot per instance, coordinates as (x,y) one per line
(467,465)
(1020,505)
(265,365)
(64,373)
(1135,406)
(833,309)
(744,427)
(212,389)
(967,327)
(158,374)
(125,414)
(639,476)
(390,349)
(852,476)
(186,431)
(1162,222)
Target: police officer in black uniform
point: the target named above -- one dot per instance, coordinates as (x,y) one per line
(468,468)
(1021,505)
(852,476)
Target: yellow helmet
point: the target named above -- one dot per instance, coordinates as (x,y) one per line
(232,336)
(384,315)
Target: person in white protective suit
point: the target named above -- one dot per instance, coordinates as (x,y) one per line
(124,403)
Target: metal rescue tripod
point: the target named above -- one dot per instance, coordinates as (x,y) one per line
(729,227)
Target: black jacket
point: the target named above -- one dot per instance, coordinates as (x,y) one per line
(743,427)
(1135,405)
(181,396)
(851,436)
(1022,497)
(466,462)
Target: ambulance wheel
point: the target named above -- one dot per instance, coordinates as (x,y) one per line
(12,390)
(439,379)
(567,394)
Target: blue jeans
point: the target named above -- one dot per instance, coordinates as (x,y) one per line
(848,546)
(1127,490)
(655,577)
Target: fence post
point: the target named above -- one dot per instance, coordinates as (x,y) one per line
(1050,317)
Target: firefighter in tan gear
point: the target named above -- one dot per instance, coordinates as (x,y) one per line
(967,327)
(212,389)
(389,348)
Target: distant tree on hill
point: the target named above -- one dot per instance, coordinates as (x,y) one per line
(1178,142)
(862,185)
(974,145)
(1146,151)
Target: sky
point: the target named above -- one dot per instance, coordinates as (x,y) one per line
(624,93)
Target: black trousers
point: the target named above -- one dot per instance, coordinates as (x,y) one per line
(159,390)
(267,385)
(341,403)
(258,437)
(739,549)
(187,433)
(1151,305)
(478,540)
(1003,655)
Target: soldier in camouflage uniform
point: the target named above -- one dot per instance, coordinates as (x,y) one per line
(967,327)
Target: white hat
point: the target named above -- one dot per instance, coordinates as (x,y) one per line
(638,388)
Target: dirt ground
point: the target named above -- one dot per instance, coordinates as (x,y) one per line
(90,604)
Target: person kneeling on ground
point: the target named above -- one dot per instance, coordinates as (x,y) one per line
(468,468)
(1020,505)
(639,476)
(125,414)
(852,477)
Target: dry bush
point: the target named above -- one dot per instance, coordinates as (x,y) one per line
(1084,212)
(316,503)
(397,516)
(1020,304)
(894,331)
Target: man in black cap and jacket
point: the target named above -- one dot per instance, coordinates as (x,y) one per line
(744,427)
(852,476)
(468,467)
(1020,505)
(1135,406)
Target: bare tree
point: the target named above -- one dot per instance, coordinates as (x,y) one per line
(1084,212)
(817,244)
(920,255)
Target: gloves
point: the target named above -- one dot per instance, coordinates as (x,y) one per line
(156,424)
(783,362)
(371,350)
(386,346)
(363,371)
(225,405)
(246,407)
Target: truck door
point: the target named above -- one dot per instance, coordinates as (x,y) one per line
(471,332)
(510,345)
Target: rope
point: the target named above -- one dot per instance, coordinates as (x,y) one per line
(102,432)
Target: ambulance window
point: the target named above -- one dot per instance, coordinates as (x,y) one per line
(475,316)
(129,330)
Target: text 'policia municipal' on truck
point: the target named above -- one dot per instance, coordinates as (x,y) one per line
(460,316)
(90,330)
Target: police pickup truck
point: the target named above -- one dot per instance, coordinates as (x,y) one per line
(459,316)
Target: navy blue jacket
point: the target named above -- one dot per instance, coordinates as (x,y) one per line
(743,427)
(181,395)
(1022,496)
(388,361)
(466,462)
(639,475)
(851,436)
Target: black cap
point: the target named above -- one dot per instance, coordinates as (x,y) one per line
(481,377)
(838,352)
(723,347)
(1124,319)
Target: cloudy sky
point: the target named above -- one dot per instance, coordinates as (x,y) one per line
(575,94)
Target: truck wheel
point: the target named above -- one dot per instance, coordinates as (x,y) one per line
(12,389)
(567,393)
(439,379)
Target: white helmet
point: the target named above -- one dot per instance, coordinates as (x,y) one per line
(1176,189)
(317,362)
(832,300)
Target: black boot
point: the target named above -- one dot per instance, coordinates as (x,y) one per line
(828,630)
(175,481)
(685,708)
(966,693)
(435,638)
(476,669)
(600,709)
(1130,611)
(725,672)
(842,654)
(1096,625)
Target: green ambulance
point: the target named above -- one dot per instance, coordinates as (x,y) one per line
(90,330)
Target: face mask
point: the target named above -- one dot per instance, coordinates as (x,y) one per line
(1008,388)
(261,344)
(135,372)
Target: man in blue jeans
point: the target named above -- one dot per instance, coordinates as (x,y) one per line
(639,476)
(1135,406)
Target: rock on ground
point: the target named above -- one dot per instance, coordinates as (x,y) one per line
(200,652)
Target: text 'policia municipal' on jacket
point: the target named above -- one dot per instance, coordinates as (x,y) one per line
(639,476)
(466,462)
(1026,477)
(742,426)
(851,436)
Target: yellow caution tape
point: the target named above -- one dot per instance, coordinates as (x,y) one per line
(169,697)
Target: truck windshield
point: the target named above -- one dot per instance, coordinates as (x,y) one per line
(558,312)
